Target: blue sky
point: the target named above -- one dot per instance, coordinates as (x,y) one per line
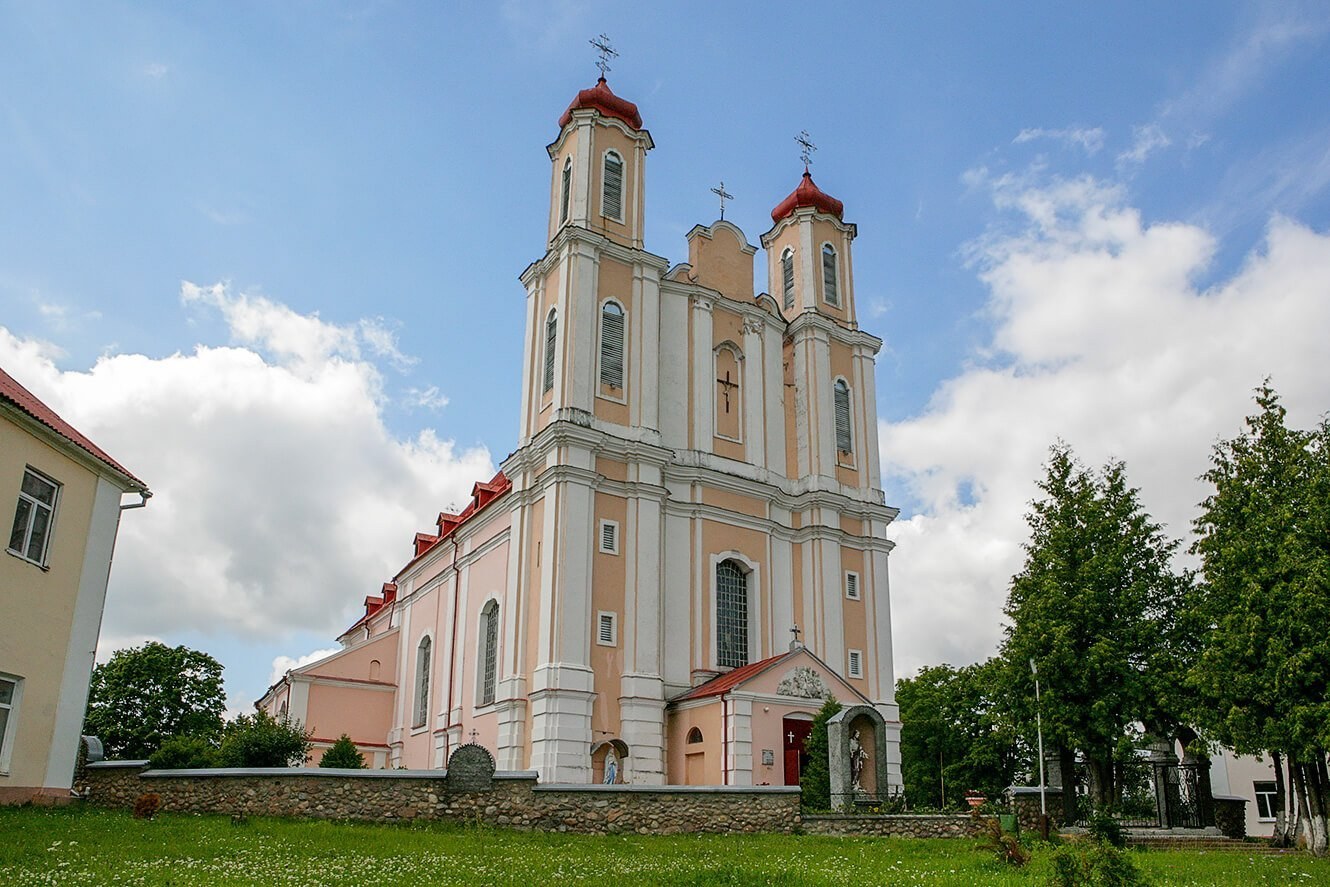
(267,255)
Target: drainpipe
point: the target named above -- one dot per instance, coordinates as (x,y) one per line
(144,496)
(725,739)
(452,656)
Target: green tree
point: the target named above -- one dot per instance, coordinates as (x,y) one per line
(184,752)
(144,695)
(259,740)
(1262,681)
(956,731)
(344,754)
(1092,607)
(815,781)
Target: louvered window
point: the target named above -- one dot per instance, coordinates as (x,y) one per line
(787,277)
(731,615)
(830,283)
(490,666)
(611,345)
(856,664)
(609,537)
(844,436)
(606,635)
(551,333)
(422,683)
(611,203)
(852,586)
(565,190)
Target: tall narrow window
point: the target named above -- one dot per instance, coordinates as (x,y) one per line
(731,615)
(33,516)
(9,692)
(611,201)
(830,280)
(422,683)
(551,334)
(565,189)
(611,345)
(844,435)
(489,666)
(787,277)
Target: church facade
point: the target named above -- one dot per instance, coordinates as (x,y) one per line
(686,552)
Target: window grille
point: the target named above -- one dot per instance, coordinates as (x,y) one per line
(612,193)
(422,683)
(490,619)
(856,664)
(830,284)
(33,516)
(844,439)
(565,190)
(611,345)
(852,586)
(787,277)
(551,333)
(605,633)
(731,615)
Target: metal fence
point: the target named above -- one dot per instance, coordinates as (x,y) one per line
(1151,794)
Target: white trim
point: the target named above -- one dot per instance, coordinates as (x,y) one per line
(852,583)
(11,721)
(853,658)
(613,536)
(604,617)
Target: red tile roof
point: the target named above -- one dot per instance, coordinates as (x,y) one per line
(601,99)
(808,194)
(718,686)
(14,393)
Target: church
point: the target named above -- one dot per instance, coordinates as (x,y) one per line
(687,551)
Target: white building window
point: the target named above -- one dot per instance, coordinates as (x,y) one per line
(1266,808)
(856,663)
(787,277)
(31,536)
(609,537)
(611,345)
(607,629)
(422,683)
(852,586)
(830,278)
(565,189)
(731,615)
(551,336)
(844,431)
(611,201)
(489,652)
(10,687)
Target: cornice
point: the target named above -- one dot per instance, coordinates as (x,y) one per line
(600,244)
(807,214)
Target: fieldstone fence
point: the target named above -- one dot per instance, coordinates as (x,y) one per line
(901,825)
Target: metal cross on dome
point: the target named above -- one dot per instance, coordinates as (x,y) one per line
(806,147)
(602,44)
(724,195)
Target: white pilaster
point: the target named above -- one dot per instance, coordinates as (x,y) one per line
(561,700)
(754,399)
(739,741)
(774,395)
(703,371)
(642,726)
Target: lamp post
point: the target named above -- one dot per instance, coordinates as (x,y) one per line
(1039,729)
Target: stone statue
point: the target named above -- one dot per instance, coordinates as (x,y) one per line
(858,757)
(611,768)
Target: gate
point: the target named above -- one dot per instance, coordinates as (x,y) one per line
(1152,794)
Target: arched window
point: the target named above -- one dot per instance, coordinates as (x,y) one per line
(489,651)
(422,683)
(611,345)
(787,276)
(551,333)
(611,199)
(844,433)
(830,278)
(565,189)
(694,736)
(731,615)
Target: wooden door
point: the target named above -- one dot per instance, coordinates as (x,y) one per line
(794,734)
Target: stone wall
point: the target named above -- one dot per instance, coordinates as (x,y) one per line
(513,799)
(1025,804)
(1231,815)
(958,825)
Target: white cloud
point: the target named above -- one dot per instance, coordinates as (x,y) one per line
(426,398)
(281,498)
(1145,141)
(1089,139)
(156,70)
(282,664)
(1101,338)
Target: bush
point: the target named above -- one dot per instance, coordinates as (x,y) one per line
(344,754)
(815,781)
(146,806)
(1105,828)
(184,752)
(1085,864)
(259,740)
(1004,845)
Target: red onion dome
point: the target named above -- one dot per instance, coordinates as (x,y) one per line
(808,194)
(601,99)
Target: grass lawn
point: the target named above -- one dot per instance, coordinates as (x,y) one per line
(88,846)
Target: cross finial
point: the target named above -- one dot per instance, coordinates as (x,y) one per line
(724,195)
(795,631)
(806,147)
(606,52)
